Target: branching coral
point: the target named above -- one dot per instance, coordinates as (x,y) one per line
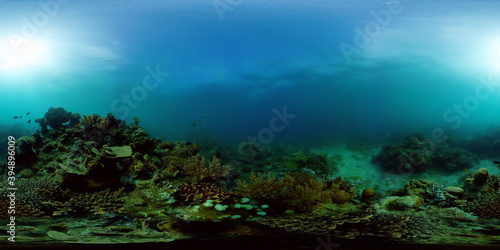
(103,202)
(30,191)
(21,210)
(200,193)
(198,169)
(301,191)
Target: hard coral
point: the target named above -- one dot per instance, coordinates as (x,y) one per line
(354,225)
(103,202)
(199,193)
(418,153)
(485,206)
(368,193)
(341,197)
(56,117)
(198,169)
(301,191)
(481,177)
(21,210)
(29,191)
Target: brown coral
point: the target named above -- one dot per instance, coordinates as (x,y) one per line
(342,225)
(300,191)
(368,193)
(198,169)
(89,121)
(21,210)
(341,197)
(485,206)
(103,202)
(200,193)
(481,177)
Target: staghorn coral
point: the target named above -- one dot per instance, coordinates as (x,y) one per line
(30,191)
(103,202)
(21,210)
(198,169)
(199,193)
(299,191)
(481,176)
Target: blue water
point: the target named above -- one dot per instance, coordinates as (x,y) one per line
(222,67)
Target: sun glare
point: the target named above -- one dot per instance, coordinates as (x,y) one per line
(494,54)
(22,55)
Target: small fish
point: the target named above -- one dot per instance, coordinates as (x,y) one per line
(29,121)
(16,117)
(497,162)
(28,113)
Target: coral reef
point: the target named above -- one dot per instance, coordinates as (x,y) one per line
(418,153)
(298,191)
(486,145)
(320,164)
(101,177)
(481,176)
(200,193)
(21,210)
(30,192)
(368,194)
(199,170)
(78,204)
(352,225)
(485,206)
